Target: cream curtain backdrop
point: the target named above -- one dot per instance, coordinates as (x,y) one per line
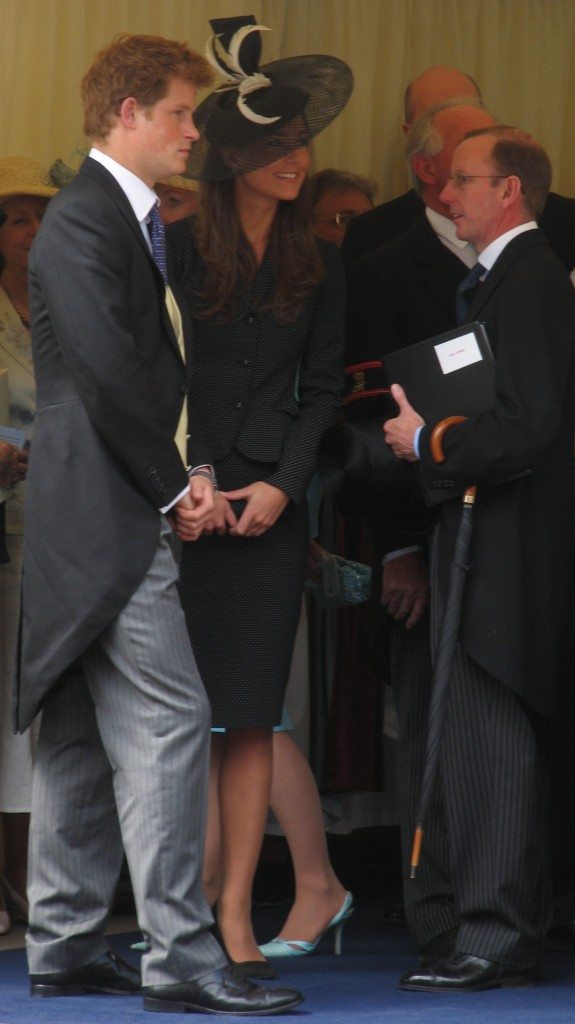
(520,51)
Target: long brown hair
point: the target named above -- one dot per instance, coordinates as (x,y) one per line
(229,259)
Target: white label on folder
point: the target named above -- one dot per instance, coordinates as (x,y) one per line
(458,352)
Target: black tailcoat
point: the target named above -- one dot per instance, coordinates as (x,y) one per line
(519,590)
(110,386)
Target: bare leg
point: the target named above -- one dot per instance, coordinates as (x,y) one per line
(296,804)
(245,781)
(212,878)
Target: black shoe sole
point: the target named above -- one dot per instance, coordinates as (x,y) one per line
(47,991)
(171,1006)
(511,982)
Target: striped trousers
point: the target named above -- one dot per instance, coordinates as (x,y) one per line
(493,784)
(122,763)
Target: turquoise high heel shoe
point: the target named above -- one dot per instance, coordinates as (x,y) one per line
(300,947)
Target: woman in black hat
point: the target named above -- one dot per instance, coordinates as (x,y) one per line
(266,302)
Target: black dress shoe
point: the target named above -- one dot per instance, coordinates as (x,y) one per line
(462,972)
(221,991)
(254,969)
(109,973)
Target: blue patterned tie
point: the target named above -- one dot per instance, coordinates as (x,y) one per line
(469,284)
(158,238)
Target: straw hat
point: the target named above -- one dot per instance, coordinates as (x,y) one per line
(20,176)
(178,181)
(62,173)
(261,114)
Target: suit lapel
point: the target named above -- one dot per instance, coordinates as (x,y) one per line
(513,251)
(443,270)
(93,169)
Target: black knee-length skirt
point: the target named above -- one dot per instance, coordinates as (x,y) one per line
(242,597)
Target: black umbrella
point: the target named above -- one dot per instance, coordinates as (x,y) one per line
(446,645)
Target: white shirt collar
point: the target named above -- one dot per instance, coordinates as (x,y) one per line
(493,251)
(139,195)
(444,227)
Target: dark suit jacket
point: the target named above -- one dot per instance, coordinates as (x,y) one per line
(110,385)
(379,226)
(385,222)
(397,295)
(243,389)
(519,592)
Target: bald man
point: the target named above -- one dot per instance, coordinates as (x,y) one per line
(388,220)
(435,85)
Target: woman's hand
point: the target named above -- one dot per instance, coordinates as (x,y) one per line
(223,518)
(264,504)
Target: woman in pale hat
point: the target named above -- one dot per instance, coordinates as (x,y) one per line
(266,301)
(24,194)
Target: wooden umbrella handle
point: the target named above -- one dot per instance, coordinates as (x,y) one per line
(436,446)
(438,433)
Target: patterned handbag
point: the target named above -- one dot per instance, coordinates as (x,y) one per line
(336,582)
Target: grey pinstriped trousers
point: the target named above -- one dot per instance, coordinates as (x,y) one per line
(122,761)
(493,785)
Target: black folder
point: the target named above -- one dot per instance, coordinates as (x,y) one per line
(451,374)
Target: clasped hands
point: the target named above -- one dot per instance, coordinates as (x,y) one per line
(399,432)
(204,511)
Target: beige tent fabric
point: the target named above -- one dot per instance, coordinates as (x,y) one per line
(520,51)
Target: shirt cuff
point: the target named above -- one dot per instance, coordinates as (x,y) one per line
(207,471)
(400,551)
(166,508)
(416,441)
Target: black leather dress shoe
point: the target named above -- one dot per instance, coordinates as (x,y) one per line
(222,991)
(109,974)
(462,972)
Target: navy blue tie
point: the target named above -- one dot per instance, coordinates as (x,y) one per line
(466,290)
(158,239)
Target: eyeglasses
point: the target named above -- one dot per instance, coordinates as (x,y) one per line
(461,180)
(341,220)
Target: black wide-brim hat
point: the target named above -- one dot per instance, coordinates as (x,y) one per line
(262,113)
(364,478)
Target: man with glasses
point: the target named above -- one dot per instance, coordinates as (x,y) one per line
(336,197)
(386,221)
(513,672)
(397,296)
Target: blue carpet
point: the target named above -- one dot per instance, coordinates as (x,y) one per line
(360,986)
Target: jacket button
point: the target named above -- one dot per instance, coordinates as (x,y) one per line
(239,405)
(250,319)
(184,390)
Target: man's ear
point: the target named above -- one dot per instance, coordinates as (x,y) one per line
(128,111)
(512,189)
(424,168)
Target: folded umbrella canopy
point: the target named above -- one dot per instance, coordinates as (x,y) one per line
(448,634)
